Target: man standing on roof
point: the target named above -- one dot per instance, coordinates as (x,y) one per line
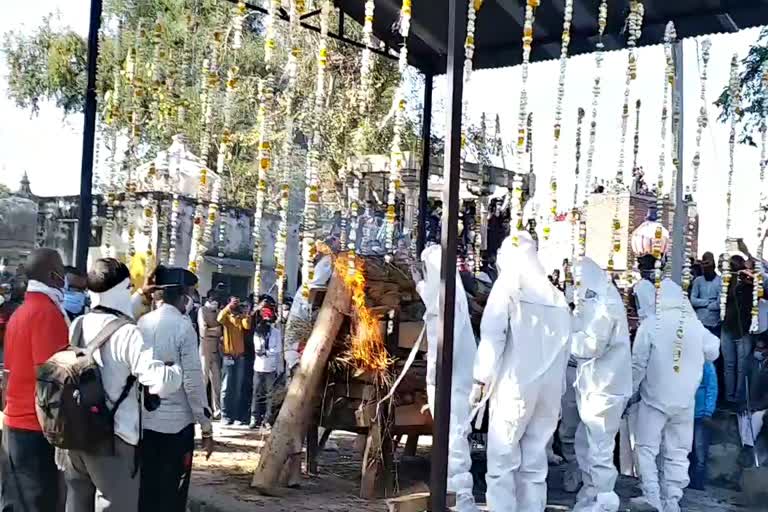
(520,366)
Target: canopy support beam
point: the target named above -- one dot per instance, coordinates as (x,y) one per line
(89,137)
(426,149)
(457,26)
(680,223)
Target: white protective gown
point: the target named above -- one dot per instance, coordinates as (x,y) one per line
(667,390)
(600,345)
(521,360)
(464,349)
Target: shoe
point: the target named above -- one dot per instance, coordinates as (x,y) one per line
(643,504)
(228,422)
(254,425)
(267,427)
(216,416)
(671,506)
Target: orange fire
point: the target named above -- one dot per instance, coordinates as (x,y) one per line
(367,351)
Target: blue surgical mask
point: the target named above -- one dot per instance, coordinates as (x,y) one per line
(74,301)
(759,355)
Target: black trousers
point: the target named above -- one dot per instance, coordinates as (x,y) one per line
(166,467)
(29,474)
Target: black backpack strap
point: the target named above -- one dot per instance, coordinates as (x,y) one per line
(76,339)
(104,336)
(124,394)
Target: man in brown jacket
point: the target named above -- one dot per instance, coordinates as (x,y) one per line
(211,333)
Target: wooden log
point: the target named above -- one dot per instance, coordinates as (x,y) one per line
(376,476)
(312,449)
(293,421)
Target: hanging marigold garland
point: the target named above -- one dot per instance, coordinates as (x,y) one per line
(266,96)
(635,27)
(735,91)
(602,23)
(313,157)
(757,291)
(565,43)
(481,204)
(575,214)
(296,10)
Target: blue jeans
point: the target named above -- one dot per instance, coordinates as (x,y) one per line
(702,436)
(246,390)
(232,371)
(736,358)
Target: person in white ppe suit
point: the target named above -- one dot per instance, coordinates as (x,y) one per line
(600,345)
(459,460)
(667,363)
(520,369)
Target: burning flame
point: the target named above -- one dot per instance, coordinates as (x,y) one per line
(367,351)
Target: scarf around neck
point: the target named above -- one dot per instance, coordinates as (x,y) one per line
(56,295)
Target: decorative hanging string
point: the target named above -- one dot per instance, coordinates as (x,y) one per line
(397,159)
(602,23)
(669,78)
(481,205)
(757,291)
(515,206)
(266,109)
(575,220)
(566,41)
(629,275)
(209,85)
(296,10)
(313,157)
(635,26)
(735,91)
(702,122)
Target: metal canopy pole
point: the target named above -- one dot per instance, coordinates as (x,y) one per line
(457,25)
(426,134)
(89,135)
(680,218)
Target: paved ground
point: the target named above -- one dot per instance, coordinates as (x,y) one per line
(222,484)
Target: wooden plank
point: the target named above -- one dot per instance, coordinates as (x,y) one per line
(411,415)
(411,445)
(416,502)
(312,444)
(376,475)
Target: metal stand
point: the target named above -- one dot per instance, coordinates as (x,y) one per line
(426,147)
(89,135)
(451,174)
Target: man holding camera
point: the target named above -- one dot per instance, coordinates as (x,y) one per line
(235,321)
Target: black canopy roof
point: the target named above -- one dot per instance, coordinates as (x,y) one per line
(498,36)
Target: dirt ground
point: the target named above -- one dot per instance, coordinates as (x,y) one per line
(222,483)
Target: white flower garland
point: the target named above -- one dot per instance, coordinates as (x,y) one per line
(735,91)
(757,291)
(602,23)
(397,159)
(515,206)
(565,43)
(296,10)
(266,96)
(313,157)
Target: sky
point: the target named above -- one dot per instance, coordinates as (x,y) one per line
(48,146)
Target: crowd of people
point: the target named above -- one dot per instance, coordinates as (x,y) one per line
(166,365)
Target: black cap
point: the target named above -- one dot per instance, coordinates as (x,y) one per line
(168,277)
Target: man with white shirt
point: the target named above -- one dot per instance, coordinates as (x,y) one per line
(169,430)
(110,480)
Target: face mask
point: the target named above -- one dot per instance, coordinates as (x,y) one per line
(214,304)
(2,300)
(74,301)
(267,314)
(759,355)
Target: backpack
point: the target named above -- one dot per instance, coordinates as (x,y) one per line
(70,400)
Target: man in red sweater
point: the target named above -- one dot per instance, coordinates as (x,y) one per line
(36,331)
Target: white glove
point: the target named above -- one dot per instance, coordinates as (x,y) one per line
(476,395)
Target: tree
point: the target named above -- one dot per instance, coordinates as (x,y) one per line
(152,56)
(754,94)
